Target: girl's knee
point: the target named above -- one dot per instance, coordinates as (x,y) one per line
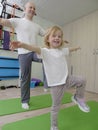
(82,81)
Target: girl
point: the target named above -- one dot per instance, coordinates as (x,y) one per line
(56,71)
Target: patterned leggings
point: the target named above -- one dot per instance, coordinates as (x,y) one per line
(57,93)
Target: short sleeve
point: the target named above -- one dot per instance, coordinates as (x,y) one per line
(65,51)
(44,53)
(13,21)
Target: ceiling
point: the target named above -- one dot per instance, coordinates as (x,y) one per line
(62,12)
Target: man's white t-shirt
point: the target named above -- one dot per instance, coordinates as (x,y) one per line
(27,32)
(55,65)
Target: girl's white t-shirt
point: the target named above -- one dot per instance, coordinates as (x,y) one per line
(55,65)
(27,32)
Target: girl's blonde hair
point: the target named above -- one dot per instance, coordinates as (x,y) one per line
(50,31)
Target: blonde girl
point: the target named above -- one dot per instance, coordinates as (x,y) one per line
(56,71)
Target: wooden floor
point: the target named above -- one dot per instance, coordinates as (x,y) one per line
(15,93)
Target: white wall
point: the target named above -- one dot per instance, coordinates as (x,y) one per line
(84,33)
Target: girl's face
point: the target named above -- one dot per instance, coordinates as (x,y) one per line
(55,39)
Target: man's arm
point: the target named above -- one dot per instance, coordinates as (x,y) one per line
(5,22)
(42,32)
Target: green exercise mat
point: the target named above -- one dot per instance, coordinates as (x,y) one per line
(11,106)
(69,119)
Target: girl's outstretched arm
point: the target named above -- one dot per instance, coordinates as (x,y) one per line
(74,49)
(17,44)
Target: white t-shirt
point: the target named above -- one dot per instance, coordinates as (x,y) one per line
(27,32)
(55,65)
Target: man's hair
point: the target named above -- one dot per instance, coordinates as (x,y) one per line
(29,2)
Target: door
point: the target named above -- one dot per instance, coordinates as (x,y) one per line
(96,58)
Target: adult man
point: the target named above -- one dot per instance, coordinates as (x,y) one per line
(27,31)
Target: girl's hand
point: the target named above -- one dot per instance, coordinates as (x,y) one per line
(14,45)
(78,48)
(74,49)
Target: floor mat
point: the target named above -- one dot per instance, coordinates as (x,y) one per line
(11,106)
(69,119)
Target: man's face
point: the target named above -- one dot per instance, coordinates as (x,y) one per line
(30,9)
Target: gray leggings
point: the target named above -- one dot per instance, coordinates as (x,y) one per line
(57,93)
(25,61)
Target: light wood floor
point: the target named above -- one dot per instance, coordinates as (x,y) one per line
(15,93)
